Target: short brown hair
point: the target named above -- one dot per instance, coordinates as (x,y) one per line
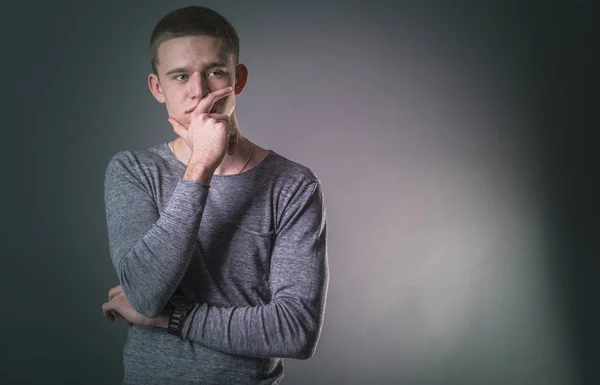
(193,21)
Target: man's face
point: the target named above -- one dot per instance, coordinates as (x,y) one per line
(189,68)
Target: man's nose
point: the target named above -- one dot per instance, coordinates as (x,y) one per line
(197,86)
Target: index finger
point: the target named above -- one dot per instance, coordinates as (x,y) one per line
(208,101)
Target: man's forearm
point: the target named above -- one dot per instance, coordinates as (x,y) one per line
(153,267)
(279,329)
(151,251)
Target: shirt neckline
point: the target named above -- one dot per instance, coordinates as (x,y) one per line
(180,164)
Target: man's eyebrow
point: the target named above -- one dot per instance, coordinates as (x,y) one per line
(214,64)
(176,70)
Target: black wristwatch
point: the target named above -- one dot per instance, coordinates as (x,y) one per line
(180,307)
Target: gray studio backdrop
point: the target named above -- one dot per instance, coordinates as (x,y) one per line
(421,121)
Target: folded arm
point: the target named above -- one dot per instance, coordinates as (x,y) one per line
(150,250)
(290,325)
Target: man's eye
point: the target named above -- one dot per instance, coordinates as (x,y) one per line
(216,74)
(180,77)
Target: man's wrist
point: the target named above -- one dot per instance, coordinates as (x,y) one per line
(180,308)
(198,172)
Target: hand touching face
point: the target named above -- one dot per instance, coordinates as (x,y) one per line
(209,136)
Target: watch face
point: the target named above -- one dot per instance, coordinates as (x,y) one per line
(181,301)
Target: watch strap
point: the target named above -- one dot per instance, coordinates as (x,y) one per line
(177,316)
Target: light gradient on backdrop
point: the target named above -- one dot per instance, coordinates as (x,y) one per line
(416,120)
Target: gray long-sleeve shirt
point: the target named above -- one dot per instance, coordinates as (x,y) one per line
(249,248)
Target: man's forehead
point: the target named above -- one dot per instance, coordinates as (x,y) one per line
(193,49)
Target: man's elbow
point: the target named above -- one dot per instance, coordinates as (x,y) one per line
(146,302)
(305,354)
(143,305)
(306,348)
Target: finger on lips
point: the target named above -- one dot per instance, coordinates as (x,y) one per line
(207,103)
(205,106)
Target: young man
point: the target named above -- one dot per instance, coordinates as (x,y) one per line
(219,244)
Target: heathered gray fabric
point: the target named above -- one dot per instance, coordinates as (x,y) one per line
(249,248)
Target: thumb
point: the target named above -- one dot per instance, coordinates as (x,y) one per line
(179,129)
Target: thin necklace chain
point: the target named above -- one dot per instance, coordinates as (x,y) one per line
(247,159)
(243,167)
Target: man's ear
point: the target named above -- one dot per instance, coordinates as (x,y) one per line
(241,78)
(156,88)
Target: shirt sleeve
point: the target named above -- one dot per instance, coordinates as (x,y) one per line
(290,325)
(149,250)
